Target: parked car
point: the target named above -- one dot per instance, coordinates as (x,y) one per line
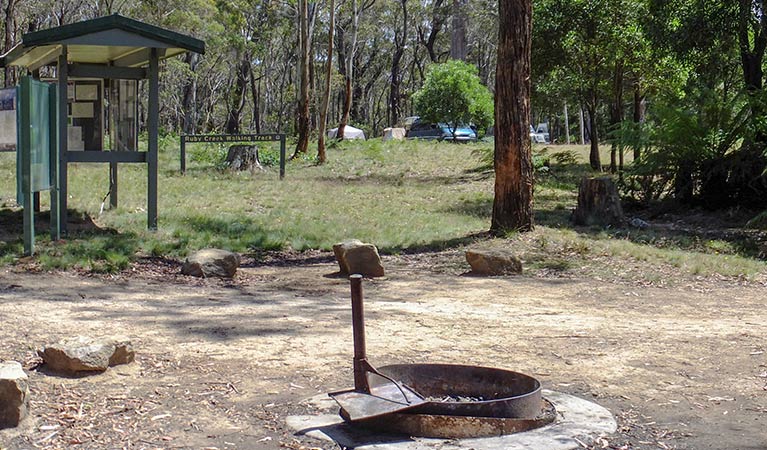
(440,132)
(538,138)
(543,128)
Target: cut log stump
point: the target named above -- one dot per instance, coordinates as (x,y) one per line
(243,157)
(598,203)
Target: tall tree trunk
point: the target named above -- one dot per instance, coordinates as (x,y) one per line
(303,74)
(594,159)
(10,26)
(237,101)
(349,72)
(458,35)
(639,113)
(393,107)
(189,99)
(616,114)
(254,92)
(321,156)
(567,126)
(513,202)
(582,126)
(437,22)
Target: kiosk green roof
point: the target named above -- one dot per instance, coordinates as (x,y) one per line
(114,40)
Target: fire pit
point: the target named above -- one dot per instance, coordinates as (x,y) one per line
(438,400)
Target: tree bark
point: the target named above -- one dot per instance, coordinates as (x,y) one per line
(616,114)
(9,30)
(303,74)
(513,202)
(237,102)
(639,113)
(598,203)
(594,159)
(458,35)
(321,154)
(349,71)
(437,22)
(396,81)
(189,99)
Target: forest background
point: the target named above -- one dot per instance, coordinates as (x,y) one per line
(677,83)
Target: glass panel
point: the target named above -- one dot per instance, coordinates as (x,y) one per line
(124,108)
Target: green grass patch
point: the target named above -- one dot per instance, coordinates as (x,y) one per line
(400,195)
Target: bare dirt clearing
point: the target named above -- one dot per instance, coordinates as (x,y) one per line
(221,363)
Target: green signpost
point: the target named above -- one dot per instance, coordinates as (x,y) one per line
(37,153)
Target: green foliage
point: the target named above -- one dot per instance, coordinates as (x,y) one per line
(759,222)
(453,94)
(683,149)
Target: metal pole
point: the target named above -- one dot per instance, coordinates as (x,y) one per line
(358,329)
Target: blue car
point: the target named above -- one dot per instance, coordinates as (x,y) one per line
(440,132)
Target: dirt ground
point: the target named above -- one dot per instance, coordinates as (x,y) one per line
(221,363)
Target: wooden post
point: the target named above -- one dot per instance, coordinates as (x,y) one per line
(282,156)
(183,154)
(154,108)
(113,185)
(53,102)
(62,74)
(28,213)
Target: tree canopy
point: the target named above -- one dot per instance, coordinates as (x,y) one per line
(453,94)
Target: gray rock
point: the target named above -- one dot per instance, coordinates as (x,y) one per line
(84,354)
(636,222)
(211,262)
(493,262)
(14,393)
(354,256)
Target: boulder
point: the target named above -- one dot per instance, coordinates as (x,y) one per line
(493,262)
(14,393)
(393,134)
(84,354)
(354,256)
(211,262)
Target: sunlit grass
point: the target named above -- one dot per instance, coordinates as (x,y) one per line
(400,196)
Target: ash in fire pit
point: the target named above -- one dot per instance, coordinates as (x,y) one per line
(438,400)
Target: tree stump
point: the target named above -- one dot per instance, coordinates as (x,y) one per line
(243,157)
(598,203)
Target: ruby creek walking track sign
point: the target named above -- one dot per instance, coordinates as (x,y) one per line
(224,138)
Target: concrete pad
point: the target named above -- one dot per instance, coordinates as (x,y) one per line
(577,421)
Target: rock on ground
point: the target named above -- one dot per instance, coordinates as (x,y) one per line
(354,256)
(84,354)
(14,391)
(211,262)
(493,262)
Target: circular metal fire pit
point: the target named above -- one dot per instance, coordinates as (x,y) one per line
(465,401)
(437,400)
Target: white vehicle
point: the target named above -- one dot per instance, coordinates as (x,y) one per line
(538,138)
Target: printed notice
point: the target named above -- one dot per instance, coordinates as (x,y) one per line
(88,92)
(82,110)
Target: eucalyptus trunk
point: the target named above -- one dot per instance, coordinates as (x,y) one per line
(302,145)
(513,202)
(321,154)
